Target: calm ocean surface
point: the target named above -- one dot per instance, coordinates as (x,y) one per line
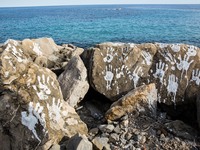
(88,25)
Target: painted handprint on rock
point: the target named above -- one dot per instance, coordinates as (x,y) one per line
(31,119)
(125,51)
(119,72)
(135,75)
(162,45)
(108,58)
(160,71)
(108,76)
(55,110)
(109,55)
(184,64)
(175,47)
(191,51)
(18,53)
(172,86)
(42,90)
(196,76)
(168,57)
(147,58)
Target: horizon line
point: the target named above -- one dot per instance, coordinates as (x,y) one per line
(88,5)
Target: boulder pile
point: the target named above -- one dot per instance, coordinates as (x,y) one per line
(45,101)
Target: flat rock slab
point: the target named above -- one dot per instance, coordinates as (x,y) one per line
(142,99)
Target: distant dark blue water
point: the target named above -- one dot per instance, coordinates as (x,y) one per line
(88,25)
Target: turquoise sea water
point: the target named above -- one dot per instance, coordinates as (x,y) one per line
(88,25)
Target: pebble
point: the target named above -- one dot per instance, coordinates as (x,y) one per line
(113,137)
(106,128)
(124,117)
(123,141)
(94,131)
(143,139)
(128,136)
(117,129)
(158,132)
(162,137)
(124,124)
(100,142)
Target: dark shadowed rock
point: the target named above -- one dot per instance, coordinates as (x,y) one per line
(181,129)
(198,108)
(79,142)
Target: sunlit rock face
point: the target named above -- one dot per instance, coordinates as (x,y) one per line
(33,112)
(142,99)
(117,68)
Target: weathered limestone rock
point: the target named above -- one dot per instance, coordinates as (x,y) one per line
(33,113)
(45,52)
(44,47)
(117,68)
(79,142)
(73,81)
(73,50)
(142,99)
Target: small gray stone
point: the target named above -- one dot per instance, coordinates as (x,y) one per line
(124,124)
(117,129)
(113,137)
(124,117)
(123,141)
(100,142)
(158,132)
(162,137)
(128,136)
(94,131)
(106,128)
(143,139)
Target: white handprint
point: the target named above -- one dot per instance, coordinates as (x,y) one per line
(184,64)
(168,57)
(160,71)
(31,119)
(191,51)
(196,76)
(119,72)
(172,86)
(162,45)
(125,51)
(147,57)
(135,75)
(108,58)
(55,110)
(108,77)
(109,55)
(42,89)
(175,47)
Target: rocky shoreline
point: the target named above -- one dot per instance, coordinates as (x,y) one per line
(113,96)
